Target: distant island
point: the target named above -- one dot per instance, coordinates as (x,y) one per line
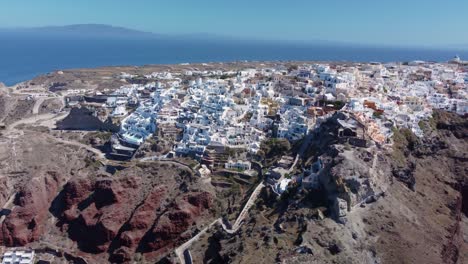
(82,30)
(102,31)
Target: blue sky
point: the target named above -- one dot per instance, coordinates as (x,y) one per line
(392,22)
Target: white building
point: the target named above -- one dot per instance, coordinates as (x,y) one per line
(282,186)
(18,257)
(238,165)
(462,107)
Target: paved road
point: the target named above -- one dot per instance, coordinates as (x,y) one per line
(247,206)
(38,104)
(184,247)
(49,120)
(98,153)
(162,160)
(32,120)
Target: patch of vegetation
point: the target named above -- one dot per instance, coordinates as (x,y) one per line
(227,76)
(377,114)
(427,126)
(57,86)
(193,164)
(275,147)
(140,79)
(293,68)
(443,118)
(95,138)
(247,117)
(404,141)
(105,136)
(92,163)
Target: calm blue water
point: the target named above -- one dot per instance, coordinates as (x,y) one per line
(22,58)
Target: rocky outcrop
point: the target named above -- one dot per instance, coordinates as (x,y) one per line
(73,194)
(26,221)
(93,219)
(122,216)
(351,174)
(169,229)
(157,230)
(140,222)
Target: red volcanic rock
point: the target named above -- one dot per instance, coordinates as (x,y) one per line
(93,222)
(26,222)
(170,229)
(200,201)
(141,221)
(75,191)
(116,215)
(104,193)
(145,215)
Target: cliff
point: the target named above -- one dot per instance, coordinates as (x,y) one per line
(415,210)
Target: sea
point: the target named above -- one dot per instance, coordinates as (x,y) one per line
(24,57)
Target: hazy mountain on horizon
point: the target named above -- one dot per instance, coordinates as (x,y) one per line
(103,31)
(83,30)
(109,31)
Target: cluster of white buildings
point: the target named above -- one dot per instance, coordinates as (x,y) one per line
(148,102)
(402,94)
(210,116)
(239,109)
(294,124)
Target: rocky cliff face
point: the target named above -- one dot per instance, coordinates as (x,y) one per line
(413,212)
(26,221)
(351,174)
(94,219)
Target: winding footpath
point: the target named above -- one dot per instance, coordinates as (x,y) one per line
(244,211)
(183,251)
